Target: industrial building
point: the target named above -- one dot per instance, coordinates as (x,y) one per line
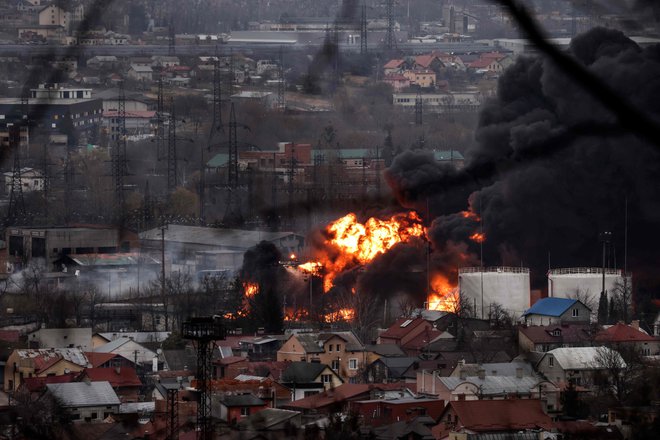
(50,243)
(483,287)
(587,283)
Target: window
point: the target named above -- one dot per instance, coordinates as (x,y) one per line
(335,364)
(245,411)
(310,393)
(94,415)
(551,361)
(330,347)
(338,347)
(326,378)
(576,312)
(352,364)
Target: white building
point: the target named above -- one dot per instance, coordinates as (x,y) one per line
(31,180)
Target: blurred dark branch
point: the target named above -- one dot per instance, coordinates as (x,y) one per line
(628,115)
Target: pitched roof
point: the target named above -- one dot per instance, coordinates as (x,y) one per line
(584,358)
(118,377)
(393,64)
(397,365)
(544,334)
(494,385)
(302,372)
(309,342)
(425,60)
(340,394)
(402,327)
(78,394)
(268,417)
(385,350)
(495,368)
(621,332)
(501,415)
(550,306)
(34,384)
(353,343)
(97,359)
(417,428)
(44,358)
(481,63)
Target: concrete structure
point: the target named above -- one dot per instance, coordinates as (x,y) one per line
(31,180)
(61,337)
(585,282)
(483,287)
(49,244)
(264,99)
(447,102)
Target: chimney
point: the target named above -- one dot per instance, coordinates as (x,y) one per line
(481,373)
(635,324)
(462,374)
(519,373)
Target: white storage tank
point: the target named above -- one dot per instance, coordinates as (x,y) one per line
(506,286)
(585,282)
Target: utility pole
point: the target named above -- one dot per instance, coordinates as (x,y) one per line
(160,120)
(172,180)
(171,51)
(363,30)
(233,214)
(291,188)
(419,108)
(119,170)
(390,36)
(281,104)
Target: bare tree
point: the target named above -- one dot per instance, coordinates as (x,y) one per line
(622,298)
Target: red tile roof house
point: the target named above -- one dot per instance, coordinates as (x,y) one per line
(492,417)
(378,412)
(397,81)
(624,338)
(340,398)
(409,334)
(544,338)
(230,367)
(394,66)
(124,381)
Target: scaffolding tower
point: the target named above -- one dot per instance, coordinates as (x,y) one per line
(204,331)
(233,214)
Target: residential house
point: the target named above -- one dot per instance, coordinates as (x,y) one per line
(397,81)
(578,364)
(86,401)
(129,349)
(626,338)
(164,61)
(424,79)
(42,362)
(30,180)
(339,399)
(148,339)
(140,73)
(230,367)
(308,378)
(394,67)
(411,334)
(108,360)
(494,417)
(378,412)
(418,428)
(124,381)
(547,311)
(428,62)
(342,351)
(389,369)
(544,338)
(61,337)
(261,348)
(36,385)
(53,15)
(489,387)
(233,408)
(105,62)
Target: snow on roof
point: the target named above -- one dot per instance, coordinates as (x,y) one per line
(585,358)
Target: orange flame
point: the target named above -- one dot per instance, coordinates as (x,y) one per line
(359,243)
(470,215)
(443,295)
(311,267)
(478,237)
(345,314)
(250,289)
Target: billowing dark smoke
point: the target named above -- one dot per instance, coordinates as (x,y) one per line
(544,183)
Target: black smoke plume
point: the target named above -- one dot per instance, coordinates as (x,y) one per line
(553,167)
